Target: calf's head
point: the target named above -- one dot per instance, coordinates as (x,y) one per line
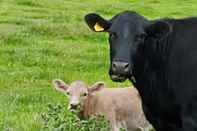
(127,32)
(77,92)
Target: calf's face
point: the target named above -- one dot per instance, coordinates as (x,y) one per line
(127,32)
(77,92)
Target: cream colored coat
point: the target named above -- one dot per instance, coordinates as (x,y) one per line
(121,106)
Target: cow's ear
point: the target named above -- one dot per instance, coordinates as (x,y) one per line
(96,87)
(60,85)
(158,29)
(97,23)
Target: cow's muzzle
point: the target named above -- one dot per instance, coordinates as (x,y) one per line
(119,71)
(73,107)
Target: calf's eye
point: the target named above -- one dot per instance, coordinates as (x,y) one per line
(85,94)
(68,93)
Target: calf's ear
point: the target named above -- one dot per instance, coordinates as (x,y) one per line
(60,85)
(158,29)
(96,22)
(96,87)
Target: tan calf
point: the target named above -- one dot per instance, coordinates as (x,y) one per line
(121,106)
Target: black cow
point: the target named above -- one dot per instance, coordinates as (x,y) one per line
(160,58)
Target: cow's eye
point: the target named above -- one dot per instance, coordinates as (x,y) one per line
(68,93)
(112,35)
(85,94)
(140,37)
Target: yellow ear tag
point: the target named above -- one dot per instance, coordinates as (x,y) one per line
(97,27)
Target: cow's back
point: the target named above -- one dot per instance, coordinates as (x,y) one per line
(169,93)
(182,67)
(123,104)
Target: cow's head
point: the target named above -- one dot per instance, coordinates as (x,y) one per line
(127,31)
(77,92)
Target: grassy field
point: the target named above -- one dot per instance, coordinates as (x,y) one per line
(45,39)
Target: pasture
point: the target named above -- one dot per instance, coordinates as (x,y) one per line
(41,40)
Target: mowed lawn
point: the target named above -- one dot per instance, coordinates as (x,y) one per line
(41,40)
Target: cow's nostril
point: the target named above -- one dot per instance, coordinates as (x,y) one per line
(114,65)
(126,65)
(73,106)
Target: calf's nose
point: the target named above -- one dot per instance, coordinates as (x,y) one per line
(73,106)
(120,67)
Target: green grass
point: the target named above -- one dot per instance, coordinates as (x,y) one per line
(45,39)
(56,118)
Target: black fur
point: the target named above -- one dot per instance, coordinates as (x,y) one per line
(162,56)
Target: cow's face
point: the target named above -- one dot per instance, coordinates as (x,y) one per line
(77,92)
(127,31)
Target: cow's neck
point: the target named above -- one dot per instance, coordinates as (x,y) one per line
(150,67)
(88,107)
